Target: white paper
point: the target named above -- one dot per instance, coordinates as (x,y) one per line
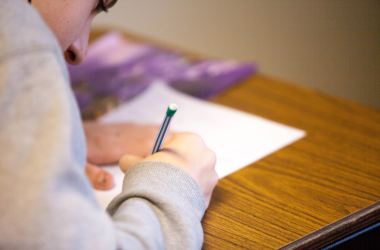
(237,138)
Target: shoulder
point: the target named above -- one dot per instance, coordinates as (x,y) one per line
(22,30)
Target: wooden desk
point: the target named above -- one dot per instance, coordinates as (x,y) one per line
(331,173)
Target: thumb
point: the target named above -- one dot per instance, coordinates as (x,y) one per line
(128,161)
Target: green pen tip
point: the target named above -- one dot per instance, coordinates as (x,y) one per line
(172,108)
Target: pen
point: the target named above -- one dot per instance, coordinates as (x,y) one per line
(172,108)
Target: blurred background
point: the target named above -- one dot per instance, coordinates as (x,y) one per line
(329,45)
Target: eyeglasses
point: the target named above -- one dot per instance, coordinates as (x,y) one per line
(105,5)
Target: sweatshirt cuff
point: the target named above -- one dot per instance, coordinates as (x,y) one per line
(161,183)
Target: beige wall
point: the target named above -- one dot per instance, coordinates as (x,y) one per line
(331,45)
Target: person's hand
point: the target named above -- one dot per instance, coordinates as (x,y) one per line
(106,143)
(99,178)
(189,152)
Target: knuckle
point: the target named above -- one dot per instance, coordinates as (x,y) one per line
(193,137)
(122,160)
(215,179)
(125,160)
(212,157)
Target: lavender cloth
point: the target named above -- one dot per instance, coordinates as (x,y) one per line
(116,70)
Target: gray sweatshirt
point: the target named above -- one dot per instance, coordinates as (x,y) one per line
(46,201)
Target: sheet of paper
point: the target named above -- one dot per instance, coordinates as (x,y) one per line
(237,138)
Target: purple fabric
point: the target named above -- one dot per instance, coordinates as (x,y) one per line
(117,69)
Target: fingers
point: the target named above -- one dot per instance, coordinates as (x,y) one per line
(99,178)
(128,161)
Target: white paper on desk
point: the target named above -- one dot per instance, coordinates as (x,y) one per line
(237,138)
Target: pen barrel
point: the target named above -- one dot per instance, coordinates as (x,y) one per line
(161,135)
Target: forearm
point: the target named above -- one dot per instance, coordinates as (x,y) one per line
(161,207)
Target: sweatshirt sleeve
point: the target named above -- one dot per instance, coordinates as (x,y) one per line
(164,201)
(46,201)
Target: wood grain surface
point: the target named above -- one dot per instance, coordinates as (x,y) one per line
(340,230)
(331,173)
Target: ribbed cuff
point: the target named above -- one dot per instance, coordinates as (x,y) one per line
(161,183)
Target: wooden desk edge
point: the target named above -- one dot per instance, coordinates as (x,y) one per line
(341,228)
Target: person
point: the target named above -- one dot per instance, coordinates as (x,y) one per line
(46,199)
